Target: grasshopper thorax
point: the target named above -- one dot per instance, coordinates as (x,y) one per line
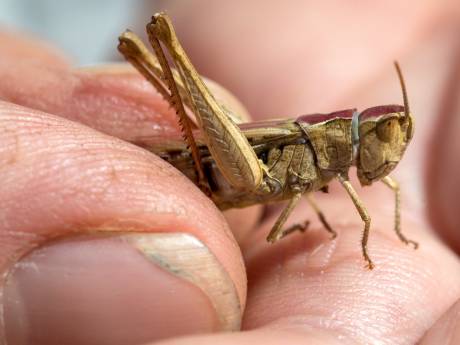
(384,133)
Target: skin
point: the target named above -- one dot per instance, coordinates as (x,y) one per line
(304,289)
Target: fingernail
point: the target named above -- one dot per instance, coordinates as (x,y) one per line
(123,289)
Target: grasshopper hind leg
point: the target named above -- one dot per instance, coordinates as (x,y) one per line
(157,71)
(233,154)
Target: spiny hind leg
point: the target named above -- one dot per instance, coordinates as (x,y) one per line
(137,54)
(134,51)
(157,71)
(321,216)
(229,147)
(388,181)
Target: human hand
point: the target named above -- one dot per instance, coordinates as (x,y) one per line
(80,182)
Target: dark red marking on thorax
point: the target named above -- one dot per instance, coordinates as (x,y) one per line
(381,110)
(317,118)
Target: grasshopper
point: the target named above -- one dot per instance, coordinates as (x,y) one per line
(238,164)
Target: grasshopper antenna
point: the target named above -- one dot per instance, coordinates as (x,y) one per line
(403,88)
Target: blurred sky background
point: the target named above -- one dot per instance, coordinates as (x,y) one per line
(71,25)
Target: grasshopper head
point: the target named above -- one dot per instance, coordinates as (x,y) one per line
(384,133)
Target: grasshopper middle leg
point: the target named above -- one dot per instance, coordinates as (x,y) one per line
(277,232)
(362,212)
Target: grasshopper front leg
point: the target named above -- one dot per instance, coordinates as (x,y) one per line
(229,147)
(388,181)
(362,212)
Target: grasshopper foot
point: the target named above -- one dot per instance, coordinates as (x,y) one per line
(275,236)
(369,263)
(409,242)
(161,28)
(405,240)
(296,227)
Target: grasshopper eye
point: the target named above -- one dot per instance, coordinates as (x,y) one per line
(387,130)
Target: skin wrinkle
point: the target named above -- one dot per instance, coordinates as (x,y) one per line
(15,150)
(312,324)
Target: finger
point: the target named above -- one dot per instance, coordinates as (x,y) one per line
(442,182)
(116,101)
(157,258)
(308,282)
(446,330)
(17,47)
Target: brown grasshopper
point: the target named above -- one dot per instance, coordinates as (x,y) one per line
(244,164)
